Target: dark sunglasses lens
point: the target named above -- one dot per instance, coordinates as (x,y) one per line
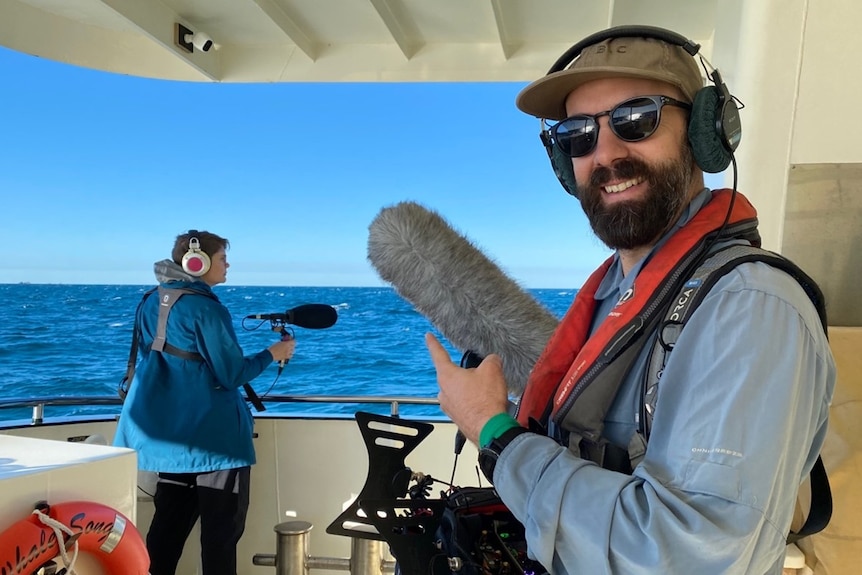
(576,136)
(635,119)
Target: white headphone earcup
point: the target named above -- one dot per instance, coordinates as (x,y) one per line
(195,262)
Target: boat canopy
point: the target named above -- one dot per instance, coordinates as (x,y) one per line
(330,40)
(791,62)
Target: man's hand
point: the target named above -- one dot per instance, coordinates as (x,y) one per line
(470,397)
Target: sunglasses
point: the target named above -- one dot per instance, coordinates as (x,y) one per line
(632,121)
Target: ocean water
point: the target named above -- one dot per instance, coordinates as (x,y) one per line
(73,340)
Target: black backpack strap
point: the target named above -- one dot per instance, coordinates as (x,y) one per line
(253,398)
(688,299)
(820,511)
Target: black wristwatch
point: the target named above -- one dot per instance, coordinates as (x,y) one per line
(488,455)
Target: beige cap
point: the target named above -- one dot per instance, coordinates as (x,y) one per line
(613,58)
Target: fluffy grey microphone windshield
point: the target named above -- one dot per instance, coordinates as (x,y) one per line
(464,294)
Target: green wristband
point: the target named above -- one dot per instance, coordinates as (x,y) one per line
(495,427)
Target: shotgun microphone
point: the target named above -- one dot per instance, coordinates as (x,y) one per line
(308,315)
(464,294)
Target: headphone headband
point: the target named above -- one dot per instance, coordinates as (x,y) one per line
(624,32)
(714,128)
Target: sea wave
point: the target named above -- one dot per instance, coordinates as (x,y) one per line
(74,340)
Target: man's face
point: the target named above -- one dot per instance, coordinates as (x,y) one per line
(632,192)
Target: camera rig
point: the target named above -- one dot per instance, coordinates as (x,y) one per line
(467,531)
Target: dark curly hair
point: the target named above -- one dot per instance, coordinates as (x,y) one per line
(210,244)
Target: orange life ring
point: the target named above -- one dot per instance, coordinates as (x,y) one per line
(99,530)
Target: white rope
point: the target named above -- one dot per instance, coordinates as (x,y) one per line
(59,529)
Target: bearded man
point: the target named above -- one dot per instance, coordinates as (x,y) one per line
(693,465)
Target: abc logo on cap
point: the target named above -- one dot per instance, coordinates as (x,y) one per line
(195,262)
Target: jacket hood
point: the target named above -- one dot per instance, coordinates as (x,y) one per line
(169,271)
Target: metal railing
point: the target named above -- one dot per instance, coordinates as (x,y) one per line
(367,556)
(38,405)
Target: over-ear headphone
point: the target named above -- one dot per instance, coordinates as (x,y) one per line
(714,127)
(195,261)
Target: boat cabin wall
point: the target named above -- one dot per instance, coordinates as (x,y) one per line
(307,470)
(800,162)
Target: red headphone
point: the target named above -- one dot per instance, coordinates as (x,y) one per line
(196,262)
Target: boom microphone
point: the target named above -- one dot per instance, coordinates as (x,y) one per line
(308,315)
(464,294)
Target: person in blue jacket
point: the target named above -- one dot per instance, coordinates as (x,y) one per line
(184,413)
(737,412)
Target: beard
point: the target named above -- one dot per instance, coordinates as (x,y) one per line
(636,223)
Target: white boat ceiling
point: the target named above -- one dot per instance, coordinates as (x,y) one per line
(331,40)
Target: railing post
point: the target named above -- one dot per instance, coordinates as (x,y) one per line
(366,556)
(291,554)
(291,549)
(38,414)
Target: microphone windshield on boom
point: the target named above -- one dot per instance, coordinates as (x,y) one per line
(464,294)
(309,315)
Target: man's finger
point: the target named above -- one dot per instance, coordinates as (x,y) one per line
(492,358)
(439,355)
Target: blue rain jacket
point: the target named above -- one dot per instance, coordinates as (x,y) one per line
(186,416)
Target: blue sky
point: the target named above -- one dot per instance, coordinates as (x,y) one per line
(99,173)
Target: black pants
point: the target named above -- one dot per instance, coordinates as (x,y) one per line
(219,499)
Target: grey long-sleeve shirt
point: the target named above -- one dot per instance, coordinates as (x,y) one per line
(740,419)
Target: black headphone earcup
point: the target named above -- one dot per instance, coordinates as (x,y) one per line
(707,145)
(562,165)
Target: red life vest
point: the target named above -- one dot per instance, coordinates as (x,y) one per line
(576,378)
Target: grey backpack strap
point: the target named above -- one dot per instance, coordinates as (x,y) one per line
(167,299)
(123,388)
(689,297)
(612,457)
(687,300)
(636,449)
